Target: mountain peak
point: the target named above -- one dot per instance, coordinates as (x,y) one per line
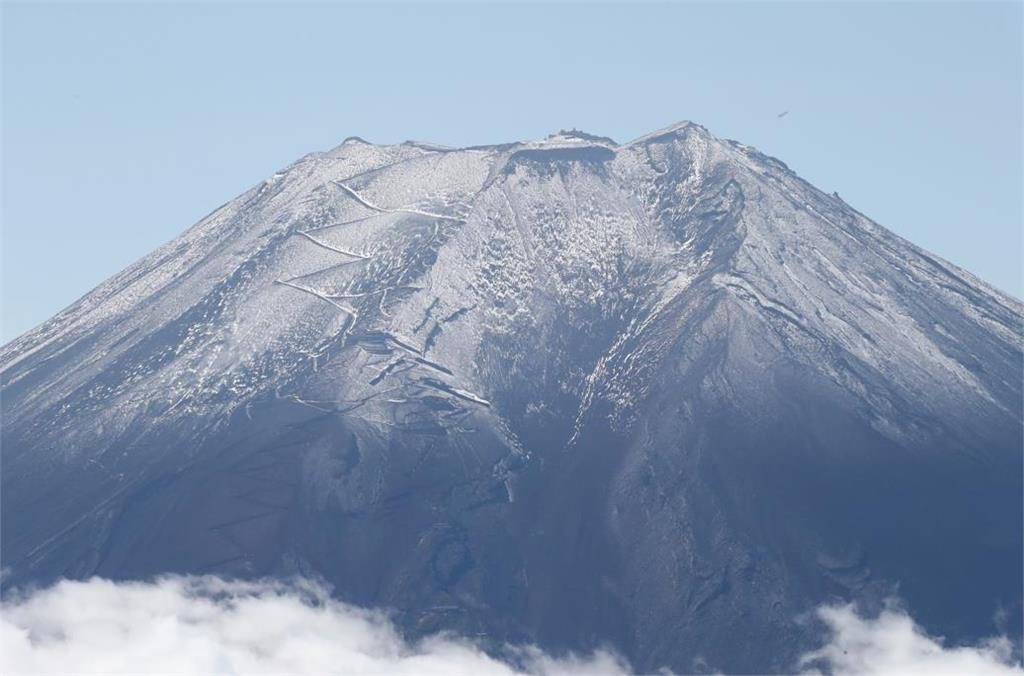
(562,137)
(654,395)
(680,128)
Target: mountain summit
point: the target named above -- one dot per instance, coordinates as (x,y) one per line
(664,396)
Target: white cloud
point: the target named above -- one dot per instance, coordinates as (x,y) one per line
(205,625)
(893,644)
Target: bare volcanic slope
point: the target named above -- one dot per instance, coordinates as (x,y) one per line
(661,395)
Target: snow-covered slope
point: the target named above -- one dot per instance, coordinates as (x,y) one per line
(567,390)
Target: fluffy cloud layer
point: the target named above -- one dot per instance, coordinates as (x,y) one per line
(893,644)
(204,625)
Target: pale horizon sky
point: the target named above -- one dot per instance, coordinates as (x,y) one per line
(122,125)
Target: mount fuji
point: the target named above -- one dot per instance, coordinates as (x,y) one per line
(664,396)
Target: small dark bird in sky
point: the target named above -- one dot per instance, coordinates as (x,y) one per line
(783,113)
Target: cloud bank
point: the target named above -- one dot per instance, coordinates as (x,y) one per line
(205,625)
(893,644)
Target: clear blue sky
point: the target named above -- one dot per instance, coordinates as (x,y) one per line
(124,124)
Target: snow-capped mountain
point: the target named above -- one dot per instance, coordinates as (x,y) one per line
(664,395)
